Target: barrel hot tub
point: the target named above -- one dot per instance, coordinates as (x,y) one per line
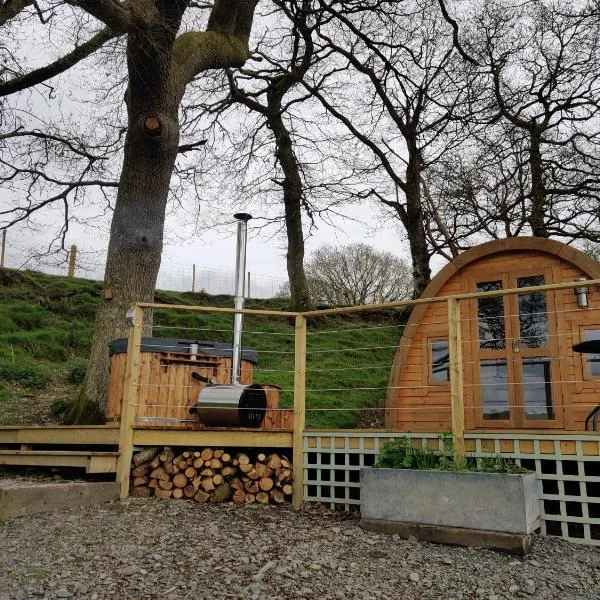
(167,387)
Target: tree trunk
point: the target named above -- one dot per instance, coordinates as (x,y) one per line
(136,235)
(415,228)
(537,215)
(292,200)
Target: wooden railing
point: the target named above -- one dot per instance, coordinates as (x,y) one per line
(299,389)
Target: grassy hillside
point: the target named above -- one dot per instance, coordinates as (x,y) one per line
(45,334)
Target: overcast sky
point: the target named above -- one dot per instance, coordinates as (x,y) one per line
(211,249)
(215,249)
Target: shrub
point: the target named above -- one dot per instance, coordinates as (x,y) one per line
(5,393)
(28,317)
(60,406)
(28,375)
(77,371)
(400,454)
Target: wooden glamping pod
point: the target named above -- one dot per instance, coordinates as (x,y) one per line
(519,368)
(168,388)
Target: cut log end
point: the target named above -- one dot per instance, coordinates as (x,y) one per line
(152,125)
(211,475)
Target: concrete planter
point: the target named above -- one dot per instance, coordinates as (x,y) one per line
(452,507)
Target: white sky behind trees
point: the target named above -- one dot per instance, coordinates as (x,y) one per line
(87,101)
(88,97)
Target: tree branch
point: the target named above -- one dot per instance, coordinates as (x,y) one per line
(112,13)
(9,9)
(42,74)
(452,22)
(223,44)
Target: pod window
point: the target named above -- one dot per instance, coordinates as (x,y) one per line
(440,361)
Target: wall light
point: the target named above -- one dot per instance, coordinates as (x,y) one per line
(581,293)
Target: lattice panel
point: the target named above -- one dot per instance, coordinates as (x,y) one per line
(567,466)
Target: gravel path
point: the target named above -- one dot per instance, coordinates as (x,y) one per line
(141,549)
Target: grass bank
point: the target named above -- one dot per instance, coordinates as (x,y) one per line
(45,335)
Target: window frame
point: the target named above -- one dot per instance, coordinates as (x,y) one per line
(586,375)
(436,337)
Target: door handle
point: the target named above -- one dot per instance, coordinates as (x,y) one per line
(516,344)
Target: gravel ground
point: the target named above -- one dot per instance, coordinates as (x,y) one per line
(140,549)
(25,476)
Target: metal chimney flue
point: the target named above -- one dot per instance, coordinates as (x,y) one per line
(234,404)
(240,280)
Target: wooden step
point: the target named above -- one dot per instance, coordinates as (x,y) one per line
(92,462)
(87,435)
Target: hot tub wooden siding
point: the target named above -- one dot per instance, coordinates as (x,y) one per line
(425,404)
(167,390)
(166,387)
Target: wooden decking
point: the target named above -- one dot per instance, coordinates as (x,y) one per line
(92,435)
(92,462)
(232,438)
(95,448)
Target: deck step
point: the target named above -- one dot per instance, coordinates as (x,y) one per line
(92,462)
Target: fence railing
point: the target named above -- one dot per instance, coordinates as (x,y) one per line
(298,354)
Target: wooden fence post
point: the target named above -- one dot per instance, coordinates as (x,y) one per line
(2,248)
(72,260)
(130,401)
(193,278)
(456,378)
(248,290)
(299,410)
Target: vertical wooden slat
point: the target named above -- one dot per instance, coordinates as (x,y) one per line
(299,410)
(456,378)
(130,401)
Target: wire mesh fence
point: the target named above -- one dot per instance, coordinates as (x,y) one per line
(172,276)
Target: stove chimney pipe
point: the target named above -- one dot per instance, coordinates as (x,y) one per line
(240,279)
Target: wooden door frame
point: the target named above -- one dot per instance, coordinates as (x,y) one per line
(475,353)
(514,359)
(551,351)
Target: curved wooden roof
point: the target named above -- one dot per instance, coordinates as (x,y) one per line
(543,245)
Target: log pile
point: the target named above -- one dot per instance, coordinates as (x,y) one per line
(211,475)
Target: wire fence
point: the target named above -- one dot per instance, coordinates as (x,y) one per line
(172,276)
(517,363)
(512,363)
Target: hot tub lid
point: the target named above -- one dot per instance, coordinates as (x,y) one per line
(161,344)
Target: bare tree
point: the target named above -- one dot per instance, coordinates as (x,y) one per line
(161,62)
(357,274)
(271,146)
(477,192)
(163,55)
(530,162)
(544,79)
(50,160)
(413,92)
(263,90)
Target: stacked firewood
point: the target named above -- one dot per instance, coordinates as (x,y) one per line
(211,475)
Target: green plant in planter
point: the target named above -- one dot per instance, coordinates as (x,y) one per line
(400,454)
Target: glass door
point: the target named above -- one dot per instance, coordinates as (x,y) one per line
(493,370)
(534,348)
(513,355)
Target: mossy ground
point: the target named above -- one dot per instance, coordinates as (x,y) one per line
(45,335)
